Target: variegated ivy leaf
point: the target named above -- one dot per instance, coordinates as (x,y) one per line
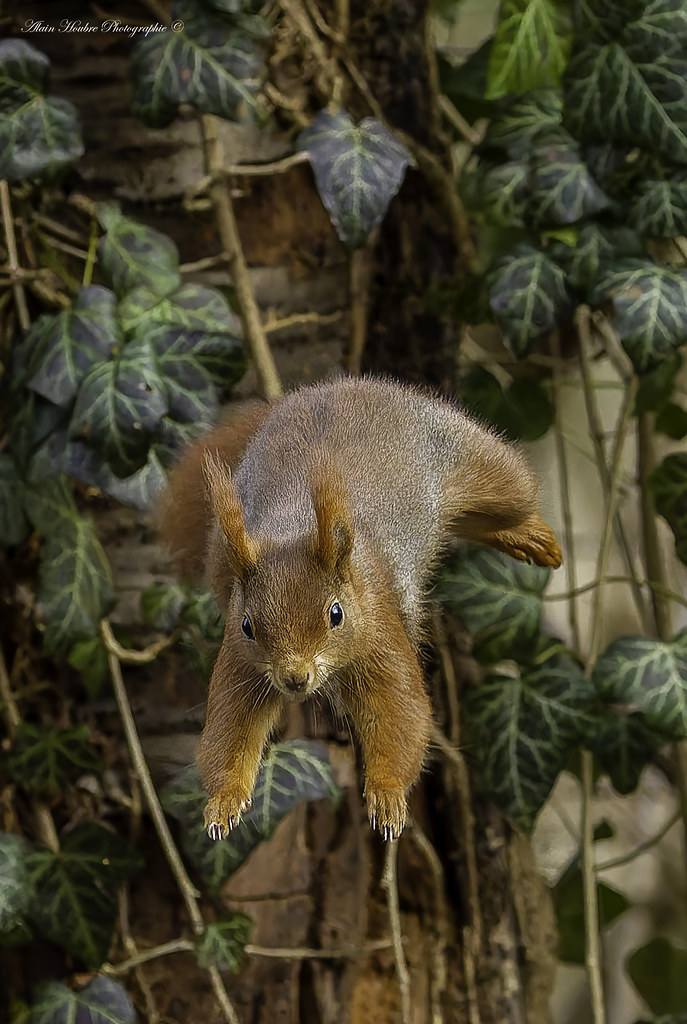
(604,20)
(528,296)
(222,943)
(658,209)
(562,190)
(668,485)
(75,889)
(623,744)
(529,122)
(191,306)
(609,97)
(39,136)
(655,29)
(62,347)
(119,407)
(596,248)
(15,891)
(294,771)
(530,47)
(498,600)
(521,729)
(650,676)
(358,170)
(102,1001)
(500,192)
(647,303)
(43,759)
(132,255)
(209,62)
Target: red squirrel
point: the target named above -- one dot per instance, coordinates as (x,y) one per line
(316,519)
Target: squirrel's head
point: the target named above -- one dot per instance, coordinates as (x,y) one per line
(293,611)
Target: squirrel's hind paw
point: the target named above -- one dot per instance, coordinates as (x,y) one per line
(386,810)
(530,541)
(223,813)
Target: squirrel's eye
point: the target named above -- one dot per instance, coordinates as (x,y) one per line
(335,615)
(247,628)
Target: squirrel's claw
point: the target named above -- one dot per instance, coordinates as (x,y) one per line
(223,814)
(386,812)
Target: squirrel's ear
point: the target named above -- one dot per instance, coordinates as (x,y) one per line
(334,525)
(242,550)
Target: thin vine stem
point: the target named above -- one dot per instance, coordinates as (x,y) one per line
(390,884)
(13,256)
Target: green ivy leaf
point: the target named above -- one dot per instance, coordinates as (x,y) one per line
(210,64)
(498,600)
(134,256)
(523,410)
(667,1018)
(358,170)
(569,906)
(521,729)
(596,248)
(659,209)
(672,421)
(89,658)
(75,889)
(668,486)
(44,760)
(659,973)
(530,48)
(501,191)
(623,745)
(51,507)
(528,123)
(293,771)
(64,346)
(605,20)
(13,525)
(647,304)
(39,136)
(102,1001)
(656,385)
(15,891)
(120,405)
(649,676)
(161,605)
(222,943)
(191,306)
(609,97)
(528,296)
(562,190)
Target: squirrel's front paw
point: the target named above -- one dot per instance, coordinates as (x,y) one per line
(223,812)
(531,541)
(386,809)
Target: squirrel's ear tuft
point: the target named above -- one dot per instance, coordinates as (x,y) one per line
(241,549)
(334,524)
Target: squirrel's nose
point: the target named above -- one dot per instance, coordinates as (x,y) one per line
(298,681)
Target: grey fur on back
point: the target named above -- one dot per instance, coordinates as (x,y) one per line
(393,447)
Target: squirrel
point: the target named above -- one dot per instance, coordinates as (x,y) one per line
(316,520)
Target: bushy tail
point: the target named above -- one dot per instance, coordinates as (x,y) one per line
(184,516)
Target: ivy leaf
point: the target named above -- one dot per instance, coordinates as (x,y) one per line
(659,209)
(647,304)
(568,902)
(649,676)
(13,525)
(521,729)
(562,190)
(528,296)
(358,170)
(596,248)
(120,405)
(623,745)
(15,891)
(293,771)
(604,20)
(191,306)
(501,191)
(668,486)
(89,658)
(161,605)
(530,48)
(497,599)
(132,255)
(222,943)
(51,507)
(75,889)
(209,63)
(610,97)
(672,421)
(659,973)
(523,410)
(44,760)
(64,346)
(75,585)
(102,1001)
(656,385)
(39,136)
(528,123)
